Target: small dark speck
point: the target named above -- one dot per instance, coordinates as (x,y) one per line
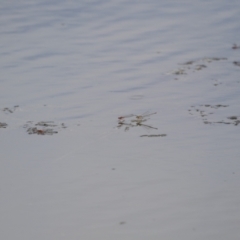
(233,118)
(237,63)
(121,223)
(235,46)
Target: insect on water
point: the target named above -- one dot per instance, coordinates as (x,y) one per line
(141,118)
(137,116)
(137,120)
(125,116)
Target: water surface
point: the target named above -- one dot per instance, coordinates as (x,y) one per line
(79,66)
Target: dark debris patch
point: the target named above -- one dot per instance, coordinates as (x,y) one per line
(46,124)
(214,59)
(154,135)
(3,125)
(207,110)
(46,131)
(214,106)
(233,117)
(216,82)
(43,127)
(180,72)
(195,65)
(235,46)
(200,67)
(236,63)
(234,120)
(10,110)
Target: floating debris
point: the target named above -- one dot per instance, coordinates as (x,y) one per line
(180,72)
(46,124)
(47,131)
(215,106)
(235,120)
(216,82)
(195,65)
(32,127)
(237,63)
(204,113)
(154,135)
(188,63)
(214,59)
(200,67)
(235,46)
(8,110)
(3,125)
(43,127)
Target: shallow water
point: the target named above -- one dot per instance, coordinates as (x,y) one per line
(73,69)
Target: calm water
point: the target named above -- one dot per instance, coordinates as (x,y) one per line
(78,66)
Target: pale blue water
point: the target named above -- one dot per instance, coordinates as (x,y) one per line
(84,64)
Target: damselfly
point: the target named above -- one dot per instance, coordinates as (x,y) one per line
(142,118)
